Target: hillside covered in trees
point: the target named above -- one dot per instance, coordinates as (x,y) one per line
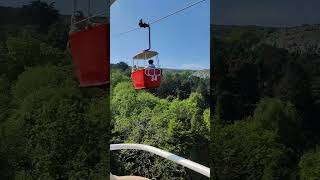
(175,118)
(266,103)
(49,127)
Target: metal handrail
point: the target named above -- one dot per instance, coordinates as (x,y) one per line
(155,75)
(167,155)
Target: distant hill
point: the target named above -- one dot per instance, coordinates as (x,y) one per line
(168,70)
(222,31)
(205,74)
(198,73)
(10,15)
(299,39)
(295,39)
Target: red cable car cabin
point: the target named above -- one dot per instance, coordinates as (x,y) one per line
(146,77)
(90,53)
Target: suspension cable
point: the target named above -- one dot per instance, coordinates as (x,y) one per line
(187,7)
(90,17)
(164,17)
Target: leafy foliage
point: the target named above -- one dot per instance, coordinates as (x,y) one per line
(281,118)
(40,13)
(243,151)
(178,125)
(310,165)
(49,127)
(265,106)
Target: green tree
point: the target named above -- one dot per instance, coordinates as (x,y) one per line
(176,125)
(295,87)
(39,77)
(53,119)
(22,51)
(243,151)
(40,13)
(309,166)
(280,117)
(5,98)
(117,77)
(206,117)
(122,66)
(58,35)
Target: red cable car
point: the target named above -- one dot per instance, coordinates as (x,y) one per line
(147,77)
(89,44)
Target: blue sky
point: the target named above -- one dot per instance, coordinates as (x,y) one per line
(182,40)
(64,6)
(265,12)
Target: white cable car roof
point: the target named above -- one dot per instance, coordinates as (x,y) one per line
(146,54)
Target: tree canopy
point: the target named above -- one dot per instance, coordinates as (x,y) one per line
(265,107)
(49,127)
(160,118)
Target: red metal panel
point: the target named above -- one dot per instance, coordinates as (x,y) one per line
(153,83)
(138,79)
(90,51)
(142,81)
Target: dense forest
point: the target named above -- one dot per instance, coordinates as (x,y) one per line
(174,117)
(266,103)
(49,127)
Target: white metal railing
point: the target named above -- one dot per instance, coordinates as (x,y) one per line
(177,159)
(154,76)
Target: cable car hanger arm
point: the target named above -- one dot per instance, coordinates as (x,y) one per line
(145,25)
